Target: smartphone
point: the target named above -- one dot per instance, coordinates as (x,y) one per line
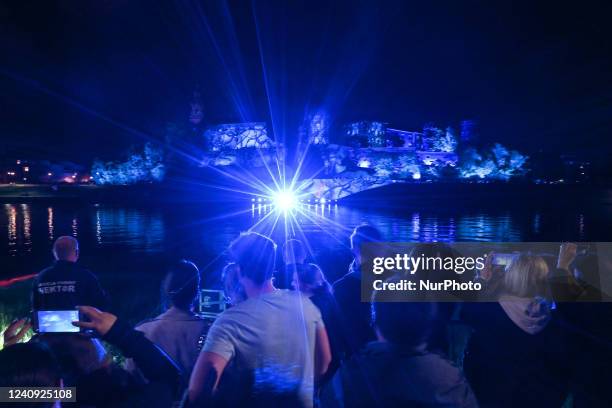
(503,259)
(56,321)
(212,302)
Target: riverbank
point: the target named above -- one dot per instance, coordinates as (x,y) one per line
(399,195)
(88,193)
(482,195)
(44,191)
(144,194)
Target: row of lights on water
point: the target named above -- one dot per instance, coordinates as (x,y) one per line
(263,206)
(322,200)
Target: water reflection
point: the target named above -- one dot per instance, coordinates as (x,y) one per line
(416,223)
(137,229)
(262,209)
(326,226)
(50,227)
(486,228)
(536,223)
(19,228)
(335,221)
(75,227)
(98,228)
(27,227)
(11,213)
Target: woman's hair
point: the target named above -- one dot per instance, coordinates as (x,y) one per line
(526,276)
(181,285)
(311,277)
(234,292)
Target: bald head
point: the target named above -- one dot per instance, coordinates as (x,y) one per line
(66,249)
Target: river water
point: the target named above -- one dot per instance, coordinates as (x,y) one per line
(129,247)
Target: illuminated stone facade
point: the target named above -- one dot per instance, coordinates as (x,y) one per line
(238,136)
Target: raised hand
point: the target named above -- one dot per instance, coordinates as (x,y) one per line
(567,254)
(100,321)
(16,331)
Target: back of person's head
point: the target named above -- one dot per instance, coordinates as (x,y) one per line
(434,255)
(181,285)
(29,365)
(309,277)
(364,233)
(66,248)
(404,323)
(526,276)
(255,255)
(234,292)
(293,252)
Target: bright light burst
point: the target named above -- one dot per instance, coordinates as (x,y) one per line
(285,200)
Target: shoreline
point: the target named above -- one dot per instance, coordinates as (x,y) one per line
(396,195)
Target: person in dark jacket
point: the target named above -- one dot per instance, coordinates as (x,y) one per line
(64,285)
(355,329)
(517,355)
(398,370)
(586,323)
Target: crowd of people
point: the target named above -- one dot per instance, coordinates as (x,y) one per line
(289,338)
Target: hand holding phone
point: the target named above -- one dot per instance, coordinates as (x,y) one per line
(99,321)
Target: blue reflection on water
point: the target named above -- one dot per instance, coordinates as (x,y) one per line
(156,230)
(132,228)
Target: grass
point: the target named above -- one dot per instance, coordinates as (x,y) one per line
(15,304)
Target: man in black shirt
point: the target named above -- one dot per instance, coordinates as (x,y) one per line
(65,285)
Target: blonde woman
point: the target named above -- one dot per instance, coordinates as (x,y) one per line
(525,293)
(517,354)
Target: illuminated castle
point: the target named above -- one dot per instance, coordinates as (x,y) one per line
(369,154)
(368,145)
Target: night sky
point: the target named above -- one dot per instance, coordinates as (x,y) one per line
(88,79)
